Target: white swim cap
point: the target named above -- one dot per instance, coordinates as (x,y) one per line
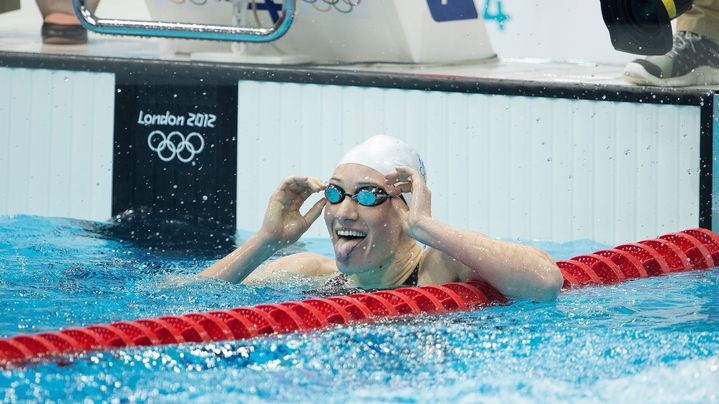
(385,153)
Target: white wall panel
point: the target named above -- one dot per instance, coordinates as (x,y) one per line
(715,166)
(516,167)
(56,140)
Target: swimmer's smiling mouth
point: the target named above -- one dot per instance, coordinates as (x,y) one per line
(350,233)
(346,241)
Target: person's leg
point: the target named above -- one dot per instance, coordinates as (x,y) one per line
(694,58)
(49,7)
(702,19)
(60,26)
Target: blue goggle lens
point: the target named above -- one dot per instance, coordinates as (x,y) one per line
(333,195)
(366,197)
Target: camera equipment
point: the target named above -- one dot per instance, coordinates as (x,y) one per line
(642,26)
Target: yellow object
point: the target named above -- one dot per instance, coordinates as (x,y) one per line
(671,8)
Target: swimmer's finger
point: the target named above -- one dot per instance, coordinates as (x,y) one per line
(392,177)
(316,185)
(311,186)
(301,186)
(403,175)
(292,184)
(394,182)
(400,188)
(408,174)
(315,211)
(308,186)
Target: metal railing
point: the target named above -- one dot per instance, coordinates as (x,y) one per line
(185,30)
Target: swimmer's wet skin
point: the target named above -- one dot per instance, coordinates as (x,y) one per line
(375,232)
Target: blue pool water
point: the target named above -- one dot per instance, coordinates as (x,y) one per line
(645,340)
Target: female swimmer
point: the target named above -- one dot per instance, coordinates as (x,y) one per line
(377,209)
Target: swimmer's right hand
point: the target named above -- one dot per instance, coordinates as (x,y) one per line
(283,223)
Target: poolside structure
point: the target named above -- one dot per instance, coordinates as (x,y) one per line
(518,148)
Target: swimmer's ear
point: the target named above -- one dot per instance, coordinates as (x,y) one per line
(400,205)
(403,211)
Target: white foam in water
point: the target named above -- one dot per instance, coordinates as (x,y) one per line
(689,381)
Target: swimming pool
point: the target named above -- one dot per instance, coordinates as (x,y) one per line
(652,338)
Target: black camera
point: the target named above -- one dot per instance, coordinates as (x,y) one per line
(642,26)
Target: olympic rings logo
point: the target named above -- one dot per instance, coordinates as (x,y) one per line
(176,145)
(343,6)
(195,2)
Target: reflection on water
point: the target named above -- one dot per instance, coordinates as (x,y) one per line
(646,338)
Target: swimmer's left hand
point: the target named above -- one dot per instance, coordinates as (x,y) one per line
(419,211)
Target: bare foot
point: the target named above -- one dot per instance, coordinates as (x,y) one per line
(62,19)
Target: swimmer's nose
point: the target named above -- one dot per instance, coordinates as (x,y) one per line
(346,210)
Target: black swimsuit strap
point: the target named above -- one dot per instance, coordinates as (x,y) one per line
(413,279)
(336,285)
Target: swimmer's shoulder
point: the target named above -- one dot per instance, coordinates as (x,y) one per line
(436,268)
(309,264)
(305,263)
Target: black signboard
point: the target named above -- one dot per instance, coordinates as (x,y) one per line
(176,152)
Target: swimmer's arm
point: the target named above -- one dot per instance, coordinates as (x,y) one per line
(305,263)
(518,271)
(237,265)
(244,263)
(282,225)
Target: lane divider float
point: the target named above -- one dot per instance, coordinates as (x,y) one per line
(675,252)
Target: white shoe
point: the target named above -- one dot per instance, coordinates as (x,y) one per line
(693,61)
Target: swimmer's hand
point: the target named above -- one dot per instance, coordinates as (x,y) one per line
(419,211)
(283,223)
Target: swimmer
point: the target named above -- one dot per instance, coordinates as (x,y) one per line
(377,207)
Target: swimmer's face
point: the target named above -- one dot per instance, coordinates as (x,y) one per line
(364,237)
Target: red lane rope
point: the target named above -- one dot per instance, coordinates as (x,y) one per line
(682,251)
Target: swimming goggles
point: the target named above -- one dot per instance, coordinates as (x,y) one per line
(365,196)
